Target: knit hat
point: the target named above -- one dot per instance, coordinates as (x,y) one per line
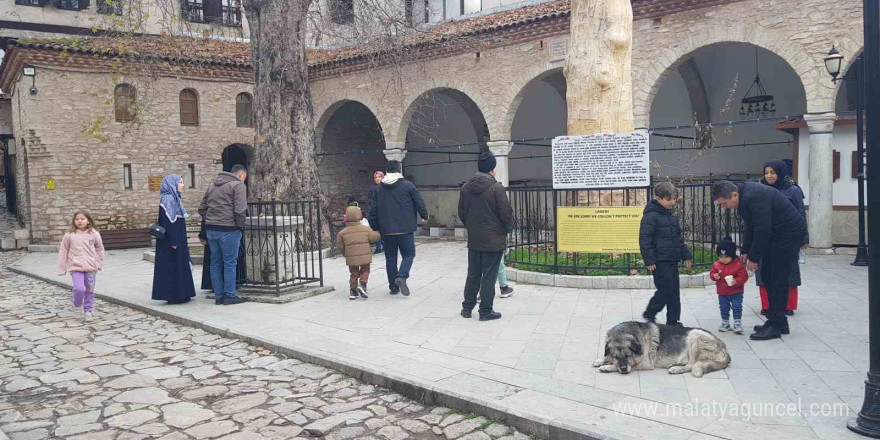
(726,248)
(486,162)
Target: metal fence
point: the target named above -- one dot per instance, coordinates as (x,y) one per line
(283,246)
(533,241)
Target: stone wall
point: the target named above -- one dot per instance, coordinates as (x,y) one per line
(87,168)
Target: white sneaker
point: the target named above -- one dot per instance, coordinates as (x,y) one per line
(725,326)
(737,327)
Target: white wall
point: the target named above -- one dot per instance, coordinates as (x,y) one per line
(844,190)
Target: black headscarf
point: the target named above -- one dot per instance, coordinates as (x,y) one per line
(783,179)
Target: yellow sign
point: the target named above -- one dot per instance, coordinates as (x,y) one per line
(155,182)
(603,229)
(50,184)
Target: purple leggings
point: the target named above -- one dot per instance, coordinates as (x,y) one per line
(83,290)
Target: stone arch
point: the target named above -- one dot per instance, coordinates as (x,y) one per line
(661,64)
(237,154)
(349,142)
(472,103)
(550,76)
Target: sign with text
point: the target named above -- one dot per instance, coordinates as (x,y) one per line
(617,160)
(603,229)
(155,182)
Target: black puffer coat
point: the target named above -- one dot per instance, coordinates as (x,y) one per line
(484,209)
(660,239)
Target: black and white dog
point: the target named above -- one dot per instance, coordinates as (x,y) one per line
(646,345)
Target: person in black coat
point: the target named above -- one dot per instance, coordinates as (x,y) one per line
(662,247)
(393,209)
(774,233)
(172,272)
(484,209)
(240,268)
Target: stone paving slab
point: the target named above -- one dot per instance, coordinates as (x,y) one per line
(537,357)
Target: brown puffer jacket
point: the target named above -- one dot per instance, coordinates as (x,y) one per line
(354,240)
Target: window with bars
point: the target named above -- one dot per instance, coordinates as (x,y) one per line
(226,12)
(72,5)
(124,98)
(244,110)
(189,107)
(30,2)
(110,7)
(342,11)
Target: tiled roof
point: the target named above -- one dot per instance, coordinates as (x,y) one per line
(184,49)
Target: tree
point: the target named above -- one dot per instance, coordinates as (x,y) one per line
(285,165)
(598,67)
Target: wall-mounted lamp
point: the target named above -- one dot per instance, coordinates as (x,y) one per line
(31,71)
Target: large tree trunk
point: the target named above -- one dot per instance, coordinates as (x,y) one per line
(598,67)
(285,166)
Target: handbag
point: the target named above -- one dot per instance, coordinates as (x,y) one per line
(157,231)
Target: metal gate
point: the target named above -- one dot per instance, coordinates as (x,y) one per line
(9,172)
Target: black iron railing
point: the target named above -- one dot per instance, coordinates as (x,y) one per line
(533,242)
(283,244)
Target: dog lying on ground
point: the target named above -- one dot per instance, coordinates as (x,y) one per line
(646,345)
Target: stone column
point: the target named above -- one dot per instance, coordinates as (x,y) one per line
(395,154)
(821,127)
(501,150)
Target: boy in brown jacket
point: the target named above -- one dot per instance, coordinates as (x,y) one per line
(354,242)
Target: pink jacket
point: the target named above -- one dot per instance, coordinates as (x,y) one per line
(81,252)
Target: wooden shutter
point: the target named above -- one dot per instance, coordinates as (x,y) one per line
(189,107)
(244,110)
(836,165)
(123,102)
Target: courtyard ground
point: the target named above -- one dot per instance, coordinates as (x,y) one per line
(533,365)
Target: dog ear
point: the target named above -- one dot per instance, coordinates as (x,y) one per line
(635,347)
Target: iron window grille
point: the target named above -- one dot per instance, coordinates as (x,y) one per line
(194,11)
(30,2)
(231,13)
(110,7)
(72,5)
(225,12)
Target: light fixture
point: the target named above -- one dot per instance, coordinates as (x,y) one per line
(760,105)
(31,71)
(832,63)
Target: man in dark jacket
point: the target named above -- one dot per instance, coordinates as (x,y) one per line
(393,209)
(223,212)
(484,209)
(773,235)
(662,247)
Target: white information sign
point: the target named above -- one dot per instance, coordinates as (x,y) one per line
(601,161)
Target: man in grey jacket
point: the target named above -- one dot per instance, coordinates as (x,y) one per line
(223,210)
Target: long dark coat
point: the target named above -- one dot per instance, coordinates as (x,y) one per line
(172,274)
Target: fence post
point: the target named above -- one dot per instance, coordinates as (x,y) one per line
(555,233)
(320,242)
(712,207)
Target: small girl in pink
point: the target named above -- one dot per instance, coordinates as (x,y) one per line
(82,254)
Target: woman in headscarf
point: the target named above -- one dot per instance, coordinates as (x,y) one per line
(172,273)
(776,174)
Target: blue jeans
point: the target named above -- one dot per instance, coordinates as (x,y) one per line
(502,273)
(406,244)
(224,257)
(725,302)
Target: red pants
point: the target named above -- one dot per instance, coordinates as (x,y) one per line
(792,298)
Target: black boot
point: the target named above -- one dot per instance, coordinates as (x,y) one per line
(784,329)
(401,284)
(767,332)
(466,313)
(648,317)
(490,317)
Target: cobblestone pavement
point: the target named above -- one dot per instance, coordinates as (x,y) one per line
(127,375)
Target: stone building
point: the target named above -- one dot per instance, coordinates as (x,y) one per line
(489,80)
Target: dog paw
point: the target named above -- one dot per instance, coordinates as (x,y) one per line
(678,369)
(598,362)
(697,371)
(607,368)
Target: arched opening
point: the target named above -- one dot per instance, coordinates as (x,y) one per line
(237,154)
(541,115)
(696,125)
(446,131)
(189,107)
(350,144)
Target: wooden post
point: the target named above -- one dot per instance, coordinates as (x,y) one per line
(598,67)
